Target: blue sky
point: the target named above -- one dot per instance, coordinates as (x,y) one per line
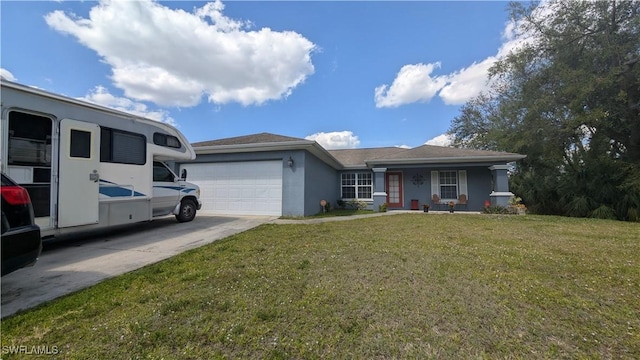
(347,74)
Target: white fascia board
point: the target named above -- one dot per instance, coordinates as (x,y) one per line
(356,167)
(447,160)
(311,146)
(256,147)
(325,156)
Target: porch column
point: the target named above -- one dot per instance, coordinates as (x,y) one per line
(500,193)
(379,193)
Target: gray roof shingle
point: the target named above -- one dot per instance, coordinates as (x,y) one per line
(249,139)
(433,152)
(369,156)
(357,157)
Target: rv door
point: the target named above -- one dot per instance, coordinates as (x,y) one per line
(79,179)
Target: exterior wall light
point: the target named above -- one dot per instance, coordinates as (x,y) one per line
(290,162)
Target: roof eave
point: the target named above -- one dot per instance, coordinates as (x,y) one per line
(308,145)
(259,147)
(355,167)
(447,160)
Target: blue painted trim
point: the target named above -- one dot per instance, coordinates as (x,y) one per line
(177,188)
(116,191)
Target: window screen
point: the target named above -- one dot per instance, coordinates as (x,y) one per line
(122,147)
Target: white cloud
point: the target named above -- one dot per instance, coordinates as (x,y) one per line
(441,140)
(101,96)
(467,83)
(413,83)
(335,140)
(174,57)
(7,75)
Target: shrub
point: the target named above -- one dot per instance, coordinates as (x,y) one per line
(353,204)
(357,205)
(496,209)
(603,212)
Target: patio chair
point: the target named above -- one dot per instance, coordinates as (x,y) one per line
(462,201)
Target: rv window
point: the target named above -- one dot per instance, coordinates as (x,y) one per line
(118,146)
(161,173)
(166,140)
(29,141)
(80,144)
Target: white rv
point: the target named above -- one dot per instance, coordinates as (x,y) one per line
(87,166)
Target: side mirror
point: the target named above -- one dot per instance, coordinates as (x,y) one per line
(183,175)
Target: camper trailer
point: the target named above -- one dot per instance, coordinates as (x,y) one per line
(86,166)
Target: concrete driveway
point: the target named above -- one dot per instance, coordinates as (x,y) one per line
(70,264)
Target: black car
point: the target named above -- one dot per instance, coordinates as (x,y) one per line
(21,242)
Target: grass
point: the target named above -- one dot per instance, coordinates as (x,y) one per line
(401,286)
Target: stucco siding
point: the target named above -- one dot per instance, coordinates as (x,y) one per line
(479,184)
(293,186)
(321,183)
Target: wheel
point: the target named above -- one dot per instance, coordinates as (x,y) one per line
(187,211)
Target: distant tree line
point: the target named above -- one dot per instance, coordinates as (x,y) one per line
(569,99)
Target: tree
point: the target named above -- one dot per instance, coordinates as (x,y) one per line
(569,98)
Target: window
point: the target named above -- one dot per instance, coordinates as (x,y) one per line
(161,173)
(118,146)
(29,144)
(29,141)
(166,140)
(448,184)
(357,186)
(80,144)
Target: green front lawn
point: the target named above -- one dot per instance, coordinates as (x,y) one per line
(399,286)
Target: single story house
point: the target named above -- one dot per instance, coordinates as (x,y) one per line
(269,174)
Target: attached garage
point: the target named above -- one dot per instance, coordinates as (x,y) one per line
(239,188)
(276,175)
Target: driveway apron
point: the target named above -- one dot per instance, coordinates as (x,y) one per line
(73,263)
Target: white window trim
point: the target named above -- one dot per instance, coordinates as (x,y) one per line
(461,185)
(356,186)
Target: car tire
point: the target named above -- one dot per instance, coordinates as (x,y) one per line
(187,211)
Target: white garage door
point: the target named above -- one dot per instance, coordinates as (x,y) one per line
(239,188)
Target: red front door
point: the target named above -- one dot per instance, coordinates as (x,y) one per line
(394,189)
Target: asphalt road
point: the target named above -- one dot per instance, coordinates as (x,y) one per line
(73,263)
